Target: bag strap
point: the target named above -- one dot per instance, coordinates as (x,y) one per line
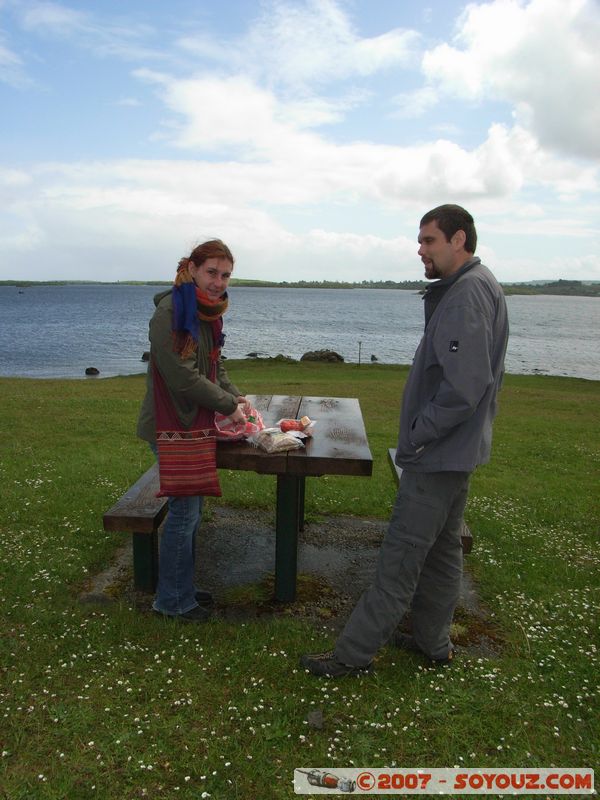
(164,409)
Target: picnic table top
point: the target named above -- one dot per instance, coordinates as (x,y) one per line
(339,444)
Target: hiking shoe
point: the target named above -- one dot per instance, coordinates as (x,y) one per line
(404,641)
(196,614)
(204,598)
(326,665)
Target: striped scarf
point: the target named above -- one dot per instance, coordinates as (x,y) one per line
(190,305)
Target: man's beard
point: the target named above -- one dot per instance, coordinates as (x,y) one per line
(431,271)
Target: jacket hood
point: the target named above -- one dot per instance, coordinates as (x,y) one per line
(158,297)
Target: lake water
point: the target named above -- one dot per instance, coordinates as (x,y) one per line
(58,331)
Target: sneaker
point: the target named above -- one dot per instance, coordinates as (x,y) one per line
(404,641)
(196,614)
(204,598)
(326,665)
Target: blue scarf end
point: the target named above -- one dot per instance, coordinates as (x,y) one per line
(185,310)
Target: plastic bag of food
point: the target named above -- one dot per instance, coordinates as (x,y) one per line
(274,440)
(303,425)
(228,430)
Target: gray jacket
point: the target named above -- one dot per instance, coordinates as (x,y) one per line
(187,379)
(449,400)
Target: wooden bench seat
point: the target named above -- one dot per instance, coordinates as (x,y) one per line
(140,512)
(467,536)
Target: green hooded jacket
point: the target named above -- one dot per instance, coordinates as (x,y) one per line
(186,378)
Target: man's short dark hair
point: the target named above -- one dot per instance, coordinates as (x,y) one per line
(451,218)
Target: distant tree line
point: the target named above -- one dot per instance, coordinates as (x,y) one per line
(560,287)
(416,285)
(551,287)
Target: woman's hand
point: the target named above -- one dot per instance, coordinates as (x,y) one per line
(245,404)
(238,415)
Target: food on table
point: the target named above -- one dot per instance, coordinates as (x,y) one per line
(294,424)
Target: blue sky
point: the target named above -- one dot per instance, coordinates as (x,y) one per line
(310,135)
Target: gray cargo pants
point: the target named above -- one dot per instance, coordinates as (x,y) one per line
(419,567)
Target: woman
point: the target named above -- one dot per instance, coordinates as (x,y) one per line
(185,347)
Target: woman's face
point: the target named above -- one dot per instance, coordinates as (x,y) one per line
(212,277)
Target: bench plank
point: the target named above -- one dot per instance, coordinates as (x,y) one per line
(466,537)
(139,509)
(140,512)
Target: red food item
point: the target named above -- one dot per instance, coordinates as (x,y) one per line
(291,425)
(232,431)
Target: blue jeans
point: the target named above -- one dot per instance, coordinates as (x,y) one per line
(176,590)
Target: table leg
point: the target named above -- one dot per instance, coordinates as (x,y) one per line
(301,492)
(286,543)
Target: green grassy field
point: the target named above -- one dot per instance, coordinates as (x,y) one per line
(106,702)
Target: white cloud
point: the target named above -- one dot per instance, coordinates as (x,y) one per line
(122,40)
(314,112)
(264,162)
(414,104)
(128,102)
(290,165)
(328,255)
(55,19)
(361,249)
(11,178)
(219,112)
(163,204)
(530,222)
(11,67)
(306,44)
(515,270)
(542,57)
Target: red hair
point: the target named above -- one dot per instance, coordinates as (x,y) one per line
(214,248)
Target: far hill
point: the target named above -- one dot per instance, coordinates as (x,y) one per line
(563,287)
(559,287)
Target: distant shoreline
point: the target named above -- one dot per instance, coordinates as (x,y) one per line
(558,287)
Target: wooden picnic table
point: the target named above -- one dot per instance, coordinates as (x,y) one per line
(338,446)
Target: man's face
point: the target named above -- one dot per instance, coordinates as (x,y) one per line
(441,258)
(212,277)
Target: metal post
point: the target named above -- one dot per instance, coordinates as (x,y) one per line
(359,347)
(301,495)
(145,561)
(286,542)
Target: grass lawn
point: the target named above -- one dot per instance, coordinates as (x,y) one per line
(104,702)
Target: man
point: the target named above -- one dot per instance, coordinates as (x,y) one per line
(448,406)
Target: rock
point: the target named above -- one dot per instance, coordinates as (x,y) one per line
(322,355)
(285,359)
(92,371)
(315,719)
(374,358)
(257,355)
(146,355)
